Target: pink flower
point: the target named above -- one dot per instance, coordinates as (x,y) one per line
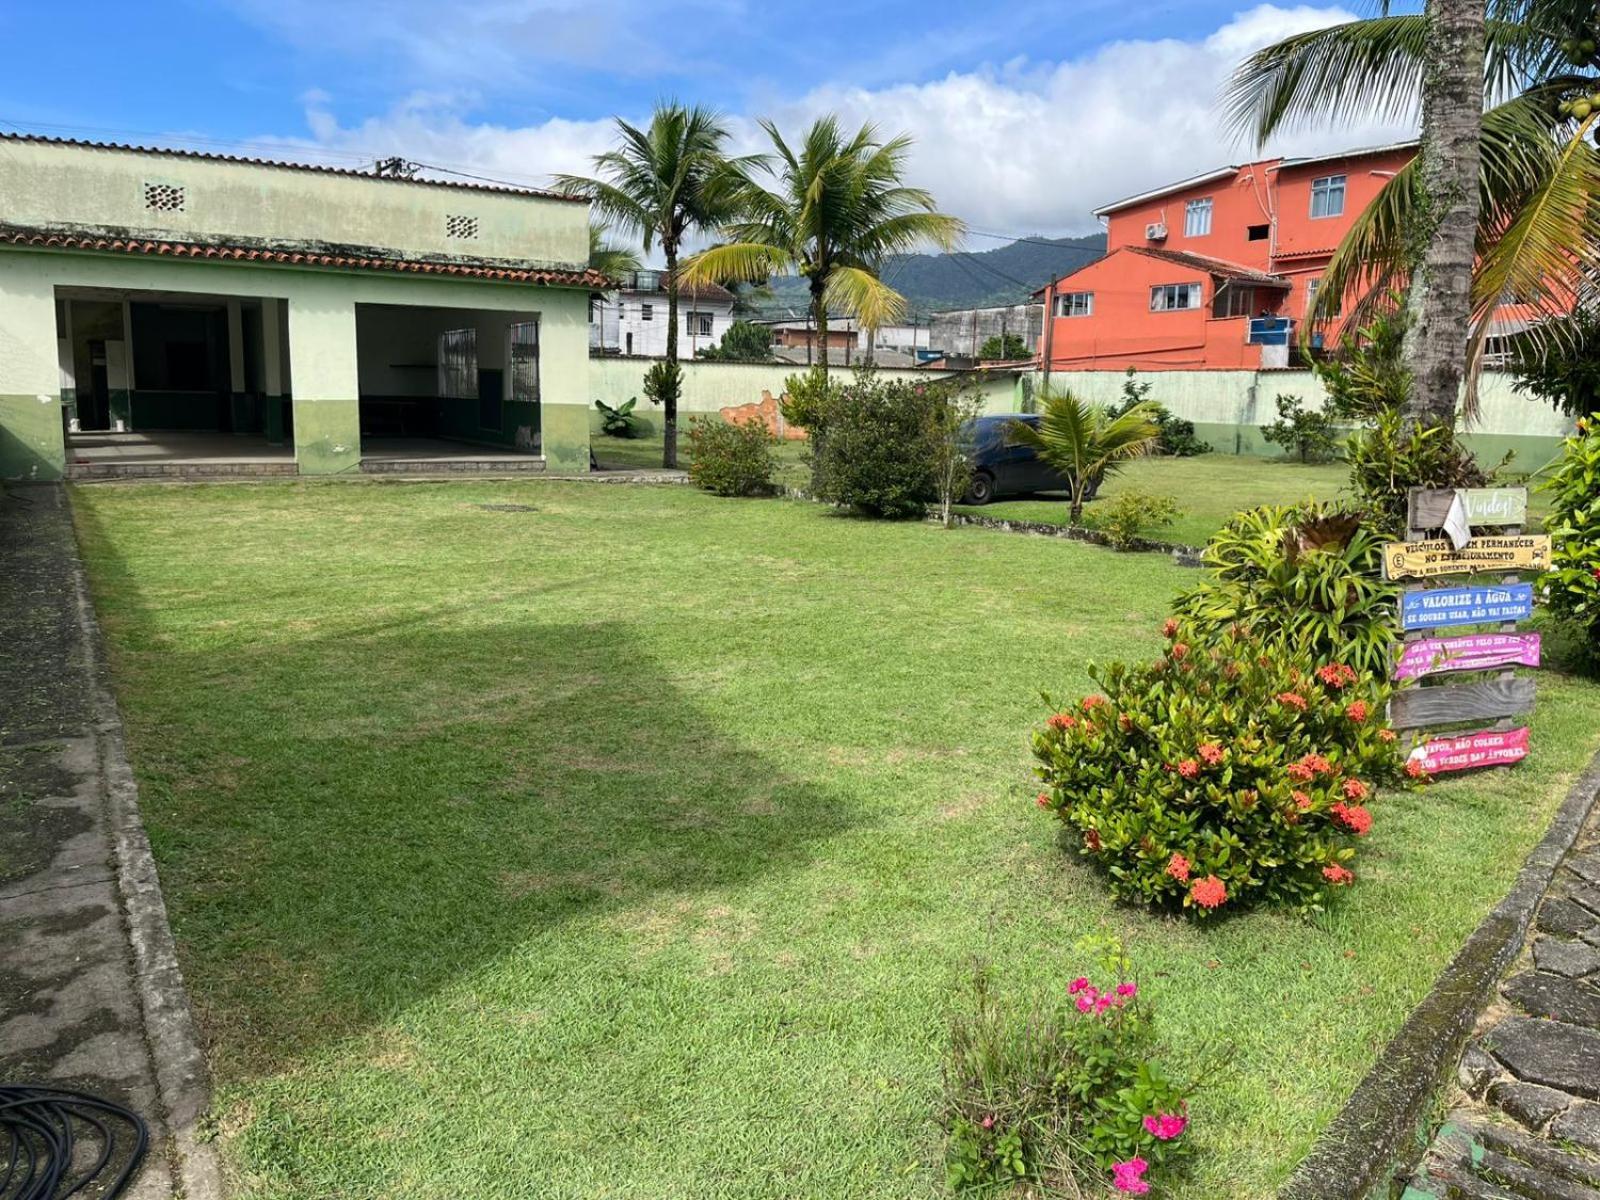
(1129,1176)
(1127,989)
(1080,984)
(1165,1126)
(1188,768)
(1085,1002)
(1044,799)
(1103,1003)
(988,1121)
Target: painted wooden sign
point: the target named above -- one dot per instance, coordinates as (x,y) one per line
(1430,559)
(1414,708)
(1428,507)
(1490,748)
(1436,608)
(1469,652)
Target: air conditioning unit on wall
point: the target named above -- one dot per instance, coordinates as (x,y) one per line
(1156,231)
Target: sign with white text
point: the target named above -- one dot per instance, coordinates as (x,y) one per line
(1429,507)
(1436,608)
(1489,748)
(1469,652)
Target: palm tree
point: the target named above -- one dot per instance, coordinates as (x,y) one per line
(661,184)
(1537,229)
(1084,442)
(836,211)
(615,261)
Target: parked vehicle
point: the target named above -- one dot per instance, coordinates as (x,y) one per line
(1002,468)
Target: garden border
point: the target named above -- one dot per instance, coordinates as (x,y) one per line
(1186,555)
(1380,1123)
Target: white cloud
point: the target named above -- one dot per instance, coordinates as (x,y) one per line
(1018,148)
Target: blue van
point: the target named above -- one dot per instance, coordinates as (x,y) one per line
(1000,467)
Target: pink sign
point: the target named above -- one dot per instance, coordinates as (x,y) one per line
(1476,652)
(1491,748)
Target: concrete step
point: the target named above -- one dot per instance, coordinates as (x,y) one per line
(452,466)
(86,471)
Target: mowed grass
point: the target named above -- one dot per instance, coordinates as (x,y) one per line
(640,845)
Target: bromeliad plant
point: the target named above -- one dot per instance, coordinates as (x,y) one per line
(1304,578)
(1222,775)
(618,422)
(1062,1095)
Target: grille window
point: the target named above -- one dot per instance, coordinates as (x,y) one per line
(163,197)
(458,226)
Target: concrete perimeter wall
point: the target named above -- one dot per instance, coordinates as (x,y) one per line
(1229,408)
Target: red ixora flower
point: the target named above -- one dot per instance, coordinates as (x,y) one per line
(1044,800)
(1336,675)
(1208,892)
(1387,735)
(1188,768)
(1356,711)
(1415,769)
(1316,764)
(1180,650)
(1124,722)
(1210,753)
(1293,700)
(1354,789)
(1090,702)
(1301,800)
(1062,721)
(1178,868)
(1337,875)
(1169,627)
(1299,772)
(1353,816)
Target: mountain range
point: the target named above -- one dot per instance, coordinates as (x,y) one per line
(937,282)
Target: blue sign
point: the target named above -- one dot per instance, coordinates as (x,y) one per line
(1432,608)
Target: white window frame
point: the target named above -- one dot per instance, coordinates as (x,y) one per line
(1197,217)
(1238,299)
(1313,287)
(1166,297)
(1325,189)
(1075,304)
(706,322)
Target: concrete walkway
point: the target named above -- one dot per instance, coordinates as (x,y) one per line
(1529,1128)
(90,995)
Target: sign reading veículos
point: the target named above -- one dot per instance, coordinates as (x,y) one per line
(1490,748)
(1430,559)
(1470,652)
(1435,608)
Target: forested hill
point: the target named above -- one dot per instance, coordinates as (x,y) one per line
(935,282)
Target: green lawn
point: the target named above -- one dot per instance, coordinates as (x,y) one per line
(638,845)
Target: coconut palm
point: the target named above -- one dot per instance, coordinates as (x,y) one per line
(612,260)
(834,212)
(661,185)
(1537,233)
(1084,442)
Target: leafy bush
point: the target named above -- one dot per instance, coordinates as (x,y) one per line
(1396,455)
(1369,376)
(1303,579)
(805,403)
(877,444)
(1302,432)
(1177,436)
(1127,518)
(742,341)
(1226,774)
(1062,1095)
(1008,348)
(731,459)
(618,422)
(1565,370)
(1572,588)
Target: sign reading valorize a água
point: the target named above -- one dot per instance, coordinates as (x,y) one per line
(1431,559)
(1436,608)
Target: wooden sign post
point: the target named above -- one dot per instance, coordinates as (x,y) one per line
(1424,660)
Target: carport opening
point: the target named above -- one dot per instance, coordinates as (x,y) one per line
(152,376)
(447,382)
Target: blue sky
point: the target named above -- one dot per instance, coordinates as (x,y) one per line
(1026,115)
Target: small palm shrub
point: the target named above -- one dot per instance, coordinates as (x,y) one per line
(1085,442)
(1222,775)
(731,459)
(1304,579)
(1052,1098)
(1572,588)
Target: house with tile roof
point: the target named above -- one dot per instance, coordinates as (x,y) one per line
(1216,272)
(175,312)
(632,319)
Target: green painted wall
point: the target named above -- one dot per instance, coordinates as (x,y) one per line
(566,438)
(32,445)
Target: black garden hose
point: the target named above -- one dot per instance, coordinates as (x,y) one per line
(42,1128)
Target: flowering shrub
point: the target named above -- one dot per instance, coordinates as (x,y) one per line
(1572,587)
(1063,1094)
(1222,775)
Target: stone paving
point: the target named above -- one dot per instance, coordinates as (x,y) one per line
(1528,1127)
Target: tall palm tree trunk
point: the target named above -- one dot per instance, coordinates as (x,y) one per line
(1440,302)
(819,309)
(669,443)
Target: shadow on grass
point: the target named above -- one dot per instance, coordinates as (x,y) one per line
(346,822)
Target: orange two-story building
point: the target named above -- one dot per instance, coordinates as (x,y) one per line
(1215,272)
